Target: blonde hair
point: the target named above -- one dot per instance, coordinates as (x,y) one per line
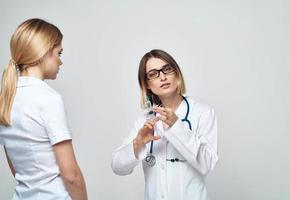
(31,41)
(157,53)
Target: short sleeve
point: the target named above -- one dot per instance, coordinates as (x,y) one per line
(55,120)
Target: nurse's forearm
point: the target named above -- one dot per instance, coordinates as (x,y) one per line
(9,163)
(197,151)
(138,145)
(124,160)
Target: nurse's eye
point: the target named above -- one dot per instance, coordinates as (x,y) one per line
(167,69)
(152,74)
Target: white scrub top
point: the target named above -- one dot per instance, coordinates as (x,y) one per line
(38,122)
(197,147)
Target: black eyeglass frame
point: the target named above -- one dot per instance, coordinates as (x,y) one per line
(160,70)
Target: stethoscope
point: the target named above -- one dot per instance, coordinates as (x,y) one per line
(150,159)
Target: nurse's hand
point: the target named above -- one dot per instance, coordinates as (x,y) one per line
(145,135)
(167,115)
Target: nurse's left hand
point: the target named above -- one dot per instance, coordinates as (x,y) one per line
(166,115)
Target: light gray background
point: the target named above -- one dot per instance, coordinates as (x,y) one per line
(234,56)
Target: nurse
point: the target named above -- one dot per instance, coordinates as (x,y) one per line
(178,147)
(33,125)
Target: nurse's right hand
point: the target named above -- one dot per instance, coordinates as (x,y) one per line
(145,135)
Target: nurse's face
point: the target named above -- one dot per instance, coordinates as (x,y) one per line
(161,78)
(52,63)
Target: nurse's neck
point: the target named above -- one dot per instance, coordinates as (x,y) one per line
(171,102)
(33,71)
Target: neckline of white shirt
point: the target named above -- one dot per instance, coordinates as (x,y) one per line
(180,112)
(181,108)
(29,81)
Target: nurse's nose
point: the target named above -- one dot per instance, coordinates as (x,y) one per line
(162,76)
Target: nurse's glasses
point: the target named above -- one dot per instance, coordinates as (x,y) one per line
(155,73)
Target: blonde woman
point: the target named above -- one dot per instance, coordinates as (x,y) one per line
(177,146)
(33,126)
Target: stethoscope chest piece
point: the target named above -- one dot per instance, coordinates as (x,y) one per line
(150,160)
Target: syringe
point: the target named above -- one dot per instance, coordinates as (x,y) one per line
(149,109)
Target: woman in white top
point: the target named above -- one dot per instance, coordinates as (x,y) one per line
(177,146)
(33,125)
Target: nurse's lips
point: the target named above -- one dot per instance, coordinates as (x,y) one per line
(165,85)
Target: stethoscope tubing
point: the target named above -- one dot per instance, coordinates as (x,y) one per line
(185,119)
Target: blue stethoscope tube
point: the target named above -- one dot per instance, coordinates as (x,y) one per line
(185,119)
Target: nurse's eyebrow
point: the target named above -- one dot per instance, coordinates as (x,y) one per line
(158,69)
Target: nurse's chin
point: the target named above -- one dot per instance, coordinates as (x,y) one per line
(166,93)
